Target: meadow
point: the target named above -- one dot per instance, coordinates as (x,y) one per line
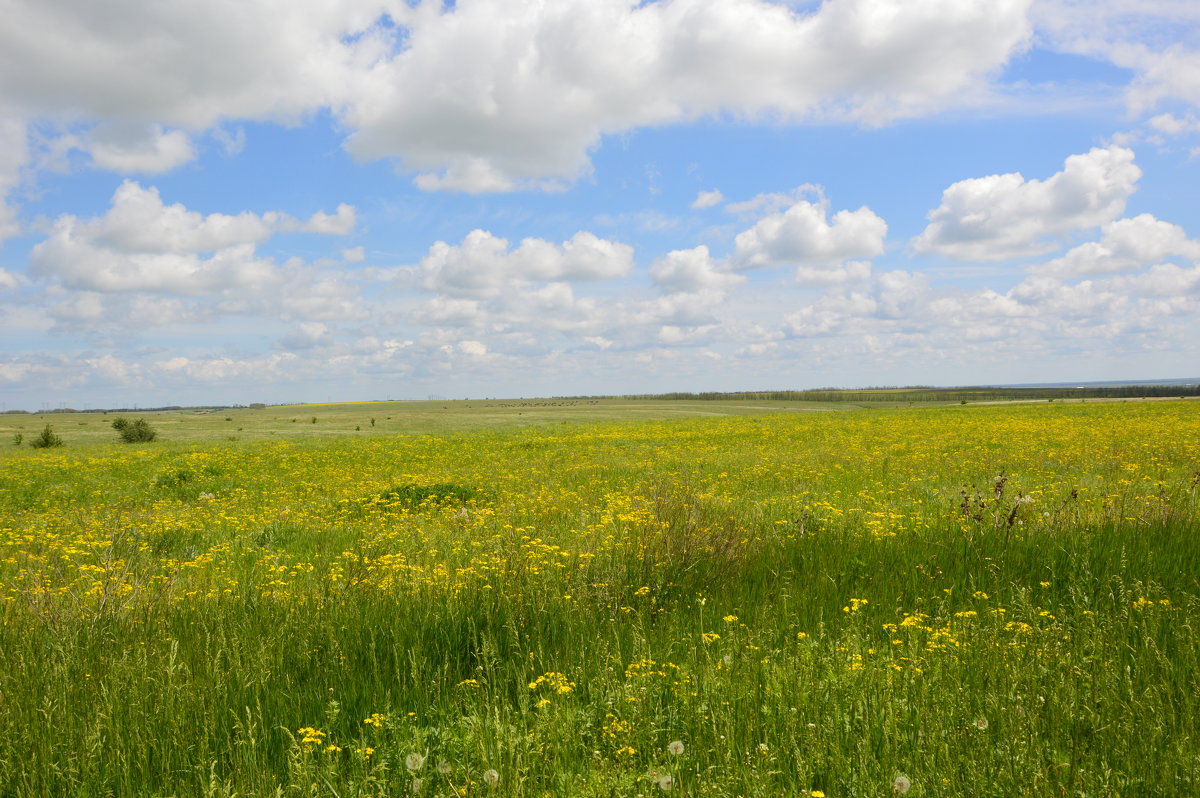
(597,598)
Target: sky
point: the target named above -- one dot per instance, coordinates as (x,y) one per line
(276,201)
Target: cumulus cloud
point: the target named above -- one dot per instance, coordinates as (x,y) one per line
(486,95)
(854,271)
(306,335)
(188,64)
(692,270)
(222,369)
(142,244)
(707,199)
(140,148)
(14,154)
(490,96)
(1180,284)
(1125,244)
(1173,74)
(1147,38)
(1006,216)
(1171,125)
(802,235)
(484,265)
(100,313)
(341,222)
(472,348)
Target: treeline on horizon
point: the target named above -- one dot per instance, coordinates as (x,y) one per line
(164,408)
(912,393)
(922,393)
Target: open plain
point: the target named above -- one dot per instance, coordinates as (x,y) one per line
(604,597)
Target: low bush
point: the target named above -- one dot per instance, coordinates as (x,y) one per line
(138,431)
(47,439)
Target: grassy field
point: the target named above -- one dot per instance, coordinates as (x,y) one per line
(595,598)
(367,419)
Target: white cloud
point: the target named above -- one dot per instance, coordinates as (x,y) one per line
(472,348)
(490,96)
(672,335)
(187,64)
(1164,280)
(832,314)
(854,271)
(1006,216)
(340,223)
(16,371)
(469,174)
(1170,74)
(306,295)
(694,309)
(692,270)
(443,311)
(219,369)
(100,314)
(1126,244)
(139,221)
(1171,125)
(148,149)
(14,154)
(803,236)
(1149,38)
(8,280)
(901,310)
(776,201)
(707,199)
(141,244)
(483,264)
(900,294)
(307,335)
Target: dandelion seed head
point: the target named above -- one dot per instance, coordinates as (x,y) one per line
(665,783)
(675,747)
(901,785)
(414,761)
(491,777)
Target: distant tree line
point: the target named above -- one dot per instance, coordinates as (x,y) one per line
(927,394)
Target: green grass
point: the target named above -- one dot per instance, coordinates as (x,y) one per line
(390,418)
(806,601)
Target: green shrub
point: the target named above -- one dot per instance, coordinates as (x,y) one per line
(138,431)
(18,438)
(47,439)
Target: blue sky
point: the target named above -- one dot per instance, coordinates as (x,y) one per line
(381,199)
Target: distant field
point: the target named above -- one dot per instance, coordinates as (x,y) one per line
(597,598)
(383,418)
(365,419)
